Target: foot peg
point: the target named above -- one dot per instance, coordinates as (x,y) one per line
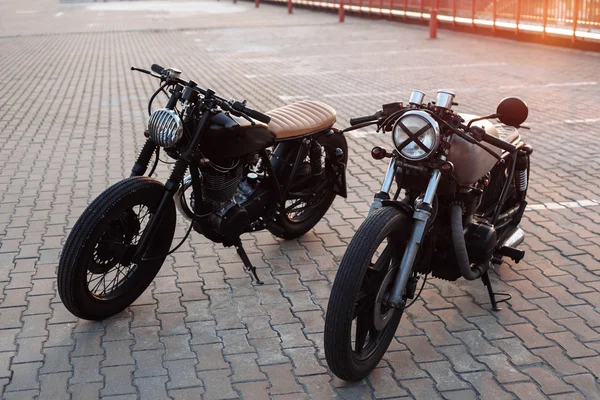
(515,254)
(507,296)
(247,264)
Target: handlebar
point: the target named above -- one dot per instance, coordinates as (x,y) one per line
(168,74)
(481,135)
(367,118)
(257,115)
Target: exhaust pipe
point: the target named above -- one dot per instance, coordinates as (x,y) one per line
(515,238)
(179,199)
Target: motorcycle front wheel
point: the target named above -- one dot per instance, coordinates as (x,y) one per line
(97,276)
(358,325)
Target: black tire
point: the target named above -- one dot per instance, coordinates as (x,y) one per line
(288,228)
(386,223)
(83,255)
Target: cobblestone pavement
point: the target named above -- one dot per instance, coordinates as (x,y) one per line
(71,122)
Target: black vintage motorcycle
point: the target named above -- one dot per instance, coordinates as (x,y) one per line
(459,211)
(248,171)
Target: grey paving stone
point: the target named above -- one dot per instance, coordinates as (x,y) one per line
(118,380)
(24,377)
(182,374)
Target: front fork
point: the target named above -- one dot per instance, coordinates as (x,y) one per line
(185,160)
(421,217)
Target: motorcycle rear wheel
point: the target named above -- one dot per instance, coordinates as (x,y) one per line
(359,282)
(96,278)
(301,219)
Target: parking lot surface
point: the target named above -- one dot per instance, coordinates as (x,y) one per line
(72,118)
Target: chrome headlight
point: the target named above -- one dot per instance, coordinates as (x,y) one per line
(416,135)
(165,127)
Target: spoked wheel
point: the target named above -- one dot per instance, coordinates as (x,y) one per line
(359,326)
(98,275)
(311,194)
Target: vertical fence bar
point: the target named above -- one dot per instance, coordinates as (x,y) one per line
(454,13)
(370,7)
(494,14)
(342,16)
(473,13)
(381,8)
(518,17)
(391,7)
(575,18)
(256,3)
(290,7)
(433,20)
(422,8)
(405,9)
(545,18)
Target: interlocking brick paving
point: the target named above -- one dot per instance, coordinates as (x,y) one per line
(71,123)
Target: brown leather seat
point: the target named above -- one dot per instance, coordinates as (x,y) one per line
(300,118)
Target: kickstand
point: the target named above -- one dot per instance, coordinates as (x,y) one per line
(486,281)
(247,264)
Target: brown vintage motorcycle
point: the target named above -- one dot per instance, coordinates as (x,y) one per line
(459,211)
(248,171)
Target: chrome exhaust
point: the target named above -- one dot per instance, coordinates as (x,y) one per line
(515,239)
(180,201)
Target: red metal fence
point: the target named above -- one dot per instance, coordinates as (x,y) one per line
(579,19)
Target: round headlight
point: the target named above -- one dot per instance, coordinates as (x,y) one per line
(416,135)
(165,127)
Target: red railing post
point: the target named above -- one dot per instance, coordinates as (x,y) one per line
(454,13)
(473,13)
(234,1)
(380,8)
(342,11)
(256,3)
(545,18)
(405,9)
(494,14)
(422,8)
(575,18)
(289,6)
(433,20)
(518,17)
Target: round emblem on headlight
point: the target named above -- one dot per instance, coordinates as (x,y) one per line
(165,127)
(416,135)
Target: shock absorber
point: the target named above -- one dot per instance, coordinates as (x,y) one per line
(521,174)
(315,157)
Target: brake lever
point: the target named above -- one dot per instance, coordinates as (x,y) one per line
(145,71)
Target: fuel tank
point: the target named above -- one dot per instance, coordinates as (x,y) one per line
(231,137)
(470,161)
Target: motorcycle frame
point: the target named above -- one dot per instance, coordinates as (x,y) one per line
(423,211)
(188,159)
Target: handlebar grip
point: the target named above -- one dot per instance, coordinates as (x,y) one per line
(499,143)
(367,118)
(157,69)
(257,115)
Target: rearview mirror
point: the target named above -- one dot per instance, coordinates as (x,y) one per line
(512,111)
